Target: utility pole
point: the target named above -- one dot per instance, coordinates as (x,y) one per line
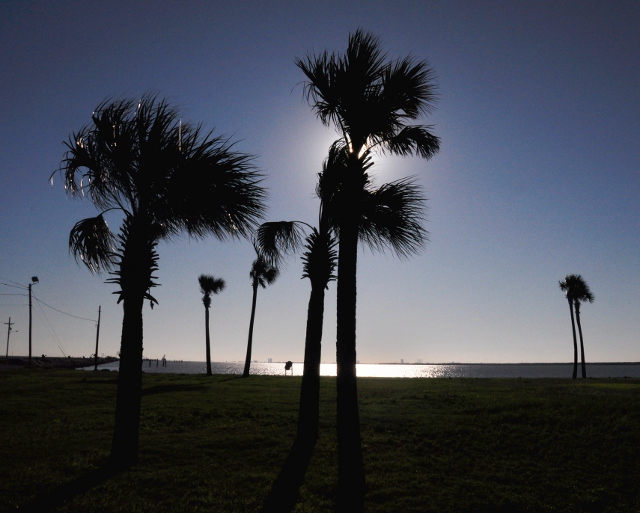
(34,280)
(8,334)
(95,368)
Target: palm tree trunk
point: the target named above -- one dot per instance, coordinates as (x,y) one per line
(575,342)
(584,367)
(124,451)
(208,341)
(351,480)
(310,391)
(247,361)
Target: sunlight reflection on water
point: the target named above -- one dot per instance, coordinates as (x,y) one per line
(382,370)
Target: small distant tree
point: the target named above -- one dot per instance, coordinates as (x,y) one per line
(262,273)
(581,294)
(570,286)
(209,285)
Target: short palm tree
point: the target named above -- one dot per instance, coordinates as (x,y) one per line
(262,273)
(581,294)
(209,285)
(370,101)
(164,177)
(570,286)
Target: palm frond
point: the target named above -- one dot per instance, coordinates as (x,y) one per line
(275,239)
(392,217)
(413,140)
(92,243)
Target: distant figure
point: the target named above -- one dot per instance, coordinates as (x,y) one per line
(164,361)
(288,366)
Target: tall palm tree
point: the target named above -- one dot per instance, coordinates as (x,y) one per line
(262,273)
(164,177)
(569,286)
(369,100)
(390,216)
(581,294)
(209,285)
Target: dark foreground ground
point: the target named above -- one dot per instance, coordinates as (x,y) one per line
(216,444)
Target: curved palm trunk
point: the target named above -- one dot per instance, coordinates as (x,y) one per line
(308,418)
(285,490)
(208,340)
(351,480)
(247,361)
(584,367)
(575,342)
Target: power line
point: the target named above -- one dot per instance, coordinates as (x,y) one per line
(11,281)
(49,327)
(65,313)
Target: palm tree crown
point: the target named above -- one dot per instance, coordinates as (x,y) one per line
(262,272)
(576,289)
(164,175)
(370,99)
(209,285)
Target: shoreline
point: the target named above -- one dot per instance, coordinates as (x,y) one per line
(47,362)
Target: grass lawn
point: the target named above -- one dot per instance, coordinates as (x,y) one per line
(217,444)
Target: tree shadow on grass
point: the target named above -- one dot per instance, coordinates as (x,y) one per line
(285,490)
(162,389)
(64,493)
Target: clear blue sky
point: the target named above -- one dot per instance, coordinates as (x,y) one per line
(538,176)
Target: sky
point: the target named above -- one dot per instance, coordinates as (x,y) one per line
(538,175)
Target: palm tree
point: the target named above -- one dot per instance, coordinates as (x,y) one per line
(165,177)
(370,101)
(209,285)
(262,273)
(581,294)
(569,286)
(390,216)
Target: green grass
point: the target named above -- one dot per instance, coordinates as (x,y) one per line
(217,444)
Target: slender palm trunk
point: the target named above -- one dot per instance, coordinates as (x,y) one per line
(208,340)
(351,480)
(584,367)
(310,391)
(247,361)
(124,451)
(285,490)
(575,342)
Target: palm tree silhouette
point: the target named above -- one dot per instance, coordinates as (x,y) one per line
(164,177)
(390,216)
(209,285)
(369,100)
(581,294)
(570,286)
(262,273)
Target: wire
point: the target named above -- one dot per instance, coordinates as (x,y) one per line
(11,281)
(65,313)
(49,327)
(25,295)
(17,286)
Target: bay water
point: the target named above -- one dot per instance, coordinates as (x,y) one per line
(391,370)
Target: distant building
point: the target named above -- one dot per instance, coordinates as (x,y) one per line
(270,360)
(419,360)
(401,360)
